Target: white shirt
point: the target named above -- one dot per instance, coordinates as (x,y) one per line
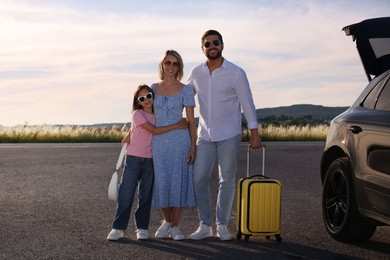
(221,96)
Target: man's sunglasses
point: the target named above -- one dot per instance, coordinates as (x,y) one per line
(215,43)
(147,96)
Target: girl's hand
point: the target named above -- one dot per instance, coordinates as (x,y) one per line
(182,123)
(126,139)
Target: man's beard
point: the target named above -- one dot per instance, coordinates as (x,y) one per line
(214,57)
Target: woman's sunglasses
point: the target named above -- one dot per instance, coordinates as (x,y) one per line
(169,63)
(147,96)
(215,43)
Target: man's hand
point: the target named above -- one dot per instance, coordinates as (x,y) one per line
(255,141)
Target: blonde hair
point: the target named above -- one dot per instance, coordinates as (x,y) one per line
(180,69)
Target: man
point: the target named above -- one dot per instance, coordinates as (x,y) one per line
(222,89)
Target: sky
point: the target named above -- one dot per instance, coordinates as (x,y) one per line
(80,61)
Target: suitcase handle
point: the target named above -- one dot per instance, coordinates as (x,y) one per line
(257,177)
(263,162)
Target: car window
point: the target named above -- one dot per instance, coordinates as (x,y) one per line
(383,102)
(380,46)
(370,101)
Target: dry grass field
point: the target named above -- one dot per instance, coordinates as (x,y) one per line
(79,134)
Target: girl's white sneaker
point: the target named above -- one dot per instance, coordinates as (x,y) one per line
(115,234)
(142,234)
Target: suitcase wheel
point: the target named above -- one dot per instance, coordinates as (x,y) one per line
(277,237)
(239,236)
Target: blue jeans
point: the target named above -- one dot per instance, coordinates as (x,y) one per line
(138,172)
(207,153)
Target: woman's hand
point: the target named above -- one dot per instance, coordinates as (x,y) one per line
(192,155)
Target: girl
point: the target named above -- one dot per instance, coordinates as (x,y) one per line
(138,170)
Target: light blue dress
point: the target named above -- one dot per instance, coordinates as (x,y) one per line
(173,176)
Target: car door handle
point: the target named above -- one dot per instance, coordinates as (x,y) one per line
(355,129)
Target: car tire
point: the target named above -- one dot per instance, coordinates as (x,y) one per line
(339,206)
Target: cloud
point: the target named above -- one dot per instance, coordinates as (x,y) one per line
(74,62)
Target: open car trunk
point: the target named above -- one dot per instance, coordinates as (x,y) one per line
(372,38)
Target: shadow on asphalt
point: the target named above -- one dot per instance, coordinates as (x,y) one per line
(213,248)
(376,246)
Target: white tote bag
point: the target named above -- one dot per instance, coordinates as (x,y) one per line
(115,183)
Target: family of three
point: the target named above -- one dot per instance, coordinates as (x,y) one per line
(168,161)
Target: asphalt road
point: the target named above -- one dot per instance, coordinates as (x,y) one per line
(54,205)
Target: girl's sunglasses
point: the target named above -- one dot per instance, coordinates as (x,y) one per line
(147,96)
(215,43)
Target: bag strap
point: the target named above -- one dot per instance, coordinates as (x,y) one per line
(122,155)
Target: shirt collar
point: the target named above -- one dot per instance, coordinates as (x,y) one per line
(224,64)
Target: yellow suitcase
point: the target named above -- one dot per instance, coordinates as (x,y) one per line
(258,205)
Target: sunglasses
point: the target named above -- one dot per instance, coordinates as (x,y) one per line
(215,43)
(169,63)
(147,96)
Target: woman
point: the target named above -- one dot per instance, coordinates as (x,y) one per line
(173,152)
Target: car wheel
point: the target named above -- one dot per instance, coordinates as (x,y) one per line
(339,206)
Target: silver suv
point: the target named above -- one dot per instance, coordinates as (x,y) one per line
(355,165)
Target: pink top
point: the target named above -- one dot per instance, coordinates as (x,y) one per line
(141,139)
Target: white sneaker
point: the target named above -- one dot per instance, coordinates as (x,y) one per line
(176,234)
(163,230)
(223,232)
(115,234)
(203,231)
(142,234)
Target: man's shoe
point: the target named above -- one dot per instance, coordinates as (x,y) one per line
(176,234)
(115,234)
(203,231)
(163,230)
(223,232)
(142,234)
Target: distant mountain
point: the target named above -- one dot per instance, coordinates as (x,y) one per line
(317,112)
(109,125)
